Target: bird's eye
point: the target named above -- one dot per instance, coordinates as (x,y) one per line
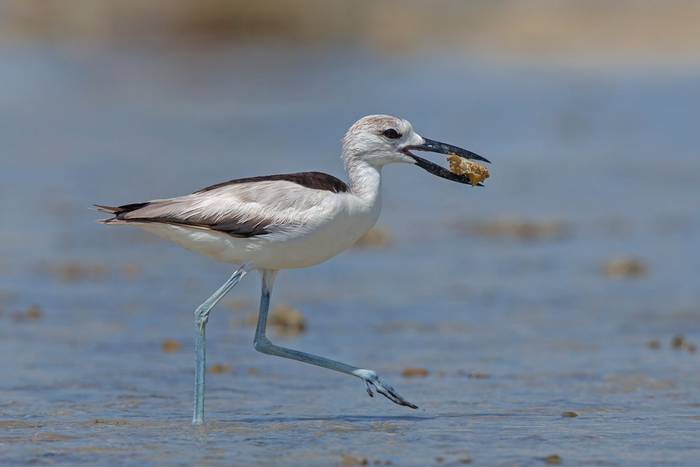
(391,133)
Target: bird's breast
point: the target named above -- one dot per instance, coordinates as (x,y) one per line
(333,230)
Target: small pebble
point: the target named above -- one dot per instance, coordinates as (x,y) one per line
(552,459)
(477,375)
(170,346)
(219,368)
(654,344)
(32,313)
(76,272)
(414,373)
(680,343)
(619,268)
(111,422)
(347,459)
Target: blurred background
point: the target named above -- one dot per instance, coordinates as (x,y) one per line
(549,317)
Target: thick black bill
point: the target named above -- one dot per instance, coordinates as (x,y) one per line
(442,148)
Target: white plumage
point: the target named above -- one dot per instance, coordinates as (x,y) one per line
(288,221)
(305,226)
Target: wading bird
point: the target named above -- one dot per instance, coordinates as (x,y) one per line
(288,221)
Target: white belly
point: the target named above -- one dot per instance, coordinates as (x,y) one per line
(316,242)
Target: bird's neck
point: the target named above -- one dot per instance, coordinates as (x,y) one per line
(365,180)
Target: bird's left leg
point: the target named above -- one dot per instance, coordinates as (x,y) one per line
(263,344)
(201,316)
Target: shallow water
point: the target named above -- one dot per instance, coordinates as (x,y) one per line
(512,331)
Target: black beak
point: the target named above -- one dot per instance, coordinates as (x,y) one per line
(441,148)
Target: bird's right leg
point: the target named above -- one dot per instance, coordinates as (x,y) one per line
(263,344)
(201,316)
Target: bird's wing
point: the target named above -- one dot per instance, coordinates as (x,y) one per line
(241,208)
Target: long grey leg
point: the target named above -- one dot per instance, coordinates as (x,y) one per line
(263,344)
(201,316)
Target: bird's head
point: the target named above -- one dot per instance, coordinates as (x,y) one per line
(382,139)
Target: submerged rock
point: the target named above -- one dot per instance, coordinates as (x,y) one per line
(287,320)
(619,268)
(284,319)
